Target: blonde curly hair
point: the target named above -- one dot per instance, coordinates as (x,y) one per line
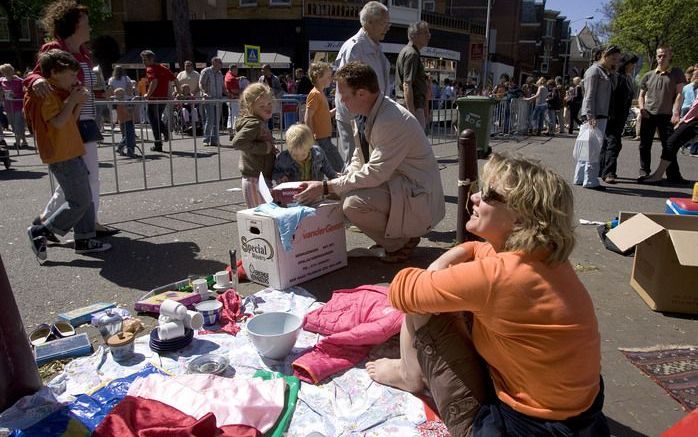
(541,198)
(317,69)
(252,93)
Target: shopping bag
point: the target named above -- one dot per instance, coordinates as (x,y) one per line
(587,146)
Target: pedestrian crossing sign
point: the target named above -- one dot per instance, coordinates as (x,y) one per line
(252,56)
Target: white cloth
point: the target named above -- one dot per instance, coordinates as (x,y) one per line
(363,49)
(124,82)
(191,79)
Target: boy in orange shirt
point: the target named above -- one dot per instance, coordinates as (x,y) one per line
(318,114)
(54,119)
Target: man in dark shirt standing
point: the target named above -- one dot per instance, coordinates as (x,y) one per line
(303,84)
(660,105)
(410,78)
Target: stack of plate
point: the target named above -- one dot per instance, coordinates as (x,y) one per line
(157,345)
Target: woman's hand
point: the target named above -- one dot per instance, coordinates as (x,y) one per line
(41,87)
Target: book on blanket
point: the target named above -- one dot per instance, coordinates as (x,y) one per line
(150,303)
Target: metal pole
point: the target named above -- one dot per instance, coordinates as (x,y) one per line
(467,182)
(485,69)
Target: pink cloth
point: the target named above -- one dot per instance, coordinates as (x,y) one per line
(354,321)
(230,313)
(252,402)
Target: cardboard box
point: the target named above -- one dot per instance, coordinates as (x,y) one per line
(665,270)
(283,193)
(319,247)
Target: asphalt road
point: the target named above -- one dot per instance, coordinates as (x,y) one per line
(169,233)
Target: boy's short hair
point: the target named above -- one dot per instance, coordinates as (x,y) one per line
(317,69)
(55,61)
(299,136)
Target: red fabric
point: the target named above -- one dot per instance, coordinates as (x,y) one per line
(242,276)
(232,84)
(139,417)
(354,321)
(230,313)
(83,56)
(164,77)
(686,427)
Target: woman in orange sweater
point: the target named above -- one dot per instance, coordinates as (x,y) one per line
(503,333)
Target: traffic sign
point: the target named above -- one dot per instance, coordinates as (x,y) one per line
(252,56)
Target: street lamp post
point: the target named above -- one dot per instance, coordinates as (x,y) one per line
(569,41)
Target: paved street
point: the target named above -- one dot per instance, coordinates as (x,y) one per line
(170,233)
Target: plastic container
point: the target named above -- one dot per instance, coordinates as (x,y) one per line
(475,112)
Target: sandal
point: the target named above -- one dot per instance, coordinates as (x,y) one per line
(40,335)
(399,256)
(61,328)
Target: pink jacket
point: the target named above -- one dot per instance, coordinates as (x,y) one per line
(354,321)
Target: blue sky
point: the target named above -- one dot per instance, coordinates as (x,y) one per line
(575,9)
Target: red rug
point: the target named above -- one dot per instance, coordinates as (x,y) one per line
(674,368)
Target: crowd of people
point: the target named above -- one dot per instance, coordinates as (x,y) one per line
(496,358)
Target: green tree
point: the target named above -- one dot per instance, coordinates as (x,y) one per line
(644,25)
(18,10)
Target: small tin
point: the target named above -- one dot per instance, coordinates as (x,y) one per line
(121,346)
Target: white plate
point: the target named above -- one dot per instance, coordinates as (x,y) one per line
(222,287)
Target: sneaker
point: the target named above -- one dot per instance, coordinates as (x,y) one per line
(120,150)
(610,179)
(37,242)
(90,245)
(50,236)
(156,148)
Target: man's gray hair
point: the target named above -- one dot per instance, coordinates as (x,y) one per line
(414,28)
(215,58)
(147,54)
(371,11)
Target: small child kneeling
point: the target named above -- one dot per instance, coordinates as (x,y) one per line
(303,161)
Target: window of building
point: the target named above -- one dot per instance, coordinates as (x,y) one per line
(528,11)
(429,5)
(549,27)
(4,29)
(412,4)
(279,2)
(244,3)
(25,30)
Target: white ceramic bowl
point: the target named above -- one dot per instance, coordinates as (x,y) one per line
(274,334)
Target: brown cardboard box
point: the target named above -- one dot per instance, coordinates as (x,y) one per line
(665,271)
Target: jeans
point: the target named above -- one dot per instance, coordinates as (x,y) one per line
(332,153)
(538,116)
(212,117)
(77,212)
(155,111)
(128,130)
(662,123)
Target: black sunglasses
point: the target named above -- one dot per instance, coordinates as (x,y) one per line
(489,195)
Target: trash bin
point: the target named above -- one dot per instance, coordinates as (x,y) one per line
(475,112)
(289,108)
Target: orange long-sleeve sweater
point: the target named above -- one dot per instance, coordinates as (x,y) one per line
(534,324)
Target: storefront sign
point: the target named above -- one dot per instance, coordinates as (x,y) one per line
(431,52)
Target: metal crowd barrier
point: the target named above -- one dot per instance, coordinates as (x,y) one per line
(510,118)
(442,121)
(184,140)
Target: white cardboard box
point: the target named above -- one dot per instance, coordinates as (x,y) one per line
(319,247)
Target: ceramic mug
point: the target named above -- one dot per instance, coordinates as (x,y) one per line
(222,279)
(170,330)
(200,286)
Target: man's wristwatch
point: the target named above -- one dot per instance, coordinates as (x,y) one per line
(325,188)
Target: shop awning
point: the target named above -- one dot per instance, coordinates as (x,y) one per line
(275,60)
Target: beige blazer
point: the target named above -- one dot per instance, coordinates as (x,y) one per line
(400,156)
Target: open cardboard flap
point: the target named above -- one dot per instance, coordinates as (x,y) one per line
(686,246)
(633,231)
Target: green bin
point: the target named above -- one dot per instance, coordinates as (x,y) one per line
(474,112)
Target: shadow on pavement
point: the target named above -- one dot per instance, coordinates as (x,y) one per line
(11,174)
(143,265)
(642,192)
(620,430)
(367,271)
